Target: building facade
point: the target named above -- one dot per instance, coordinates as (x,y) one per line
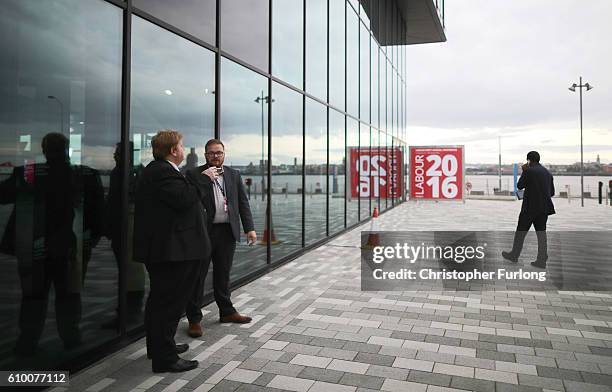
(309,98)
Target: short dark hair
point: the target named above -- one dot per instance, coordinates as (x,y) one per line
(55,142)
(533,156)
(212,142)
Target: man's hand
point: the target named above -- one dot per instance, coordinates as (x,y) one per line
(251,237)
(525,166)
(211,172)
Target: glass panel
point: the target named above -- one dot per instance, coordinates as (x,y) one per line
(337,159)
(244,30)
(287,33)
(374,84)
(352,182)
(196,17)
(244,131)
(365,172)
(316,48)
(61,85)
(364,74)
(172,87)
(352,62)
(380,173)
(316,171)
(363,12)
(336,53)
(286,169)
(173,84)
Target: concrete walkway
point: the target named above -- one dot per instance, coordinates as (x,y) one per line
(315,330)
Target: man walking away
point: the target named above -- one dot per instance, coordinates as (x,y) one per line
(537,182)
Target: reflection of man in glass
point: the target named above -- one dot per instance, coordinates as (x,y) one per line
(134,271)
(52,229)
(226,203)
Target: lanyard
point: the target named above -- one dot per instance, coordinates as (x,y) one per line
(221,188)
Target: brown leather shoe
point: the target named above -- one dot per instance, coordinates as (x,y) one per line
(195,330)
(235,318)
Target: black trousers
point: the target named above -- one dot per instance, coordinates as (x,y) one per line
(524,224)
(34,301)
(172,283)
(222,256)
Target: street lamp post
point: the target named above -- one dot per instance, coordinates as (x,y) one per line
(61,110)
(573,89)
(262,99)
(500,166)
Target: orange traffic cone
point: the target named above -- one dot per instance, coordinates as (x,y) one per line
(373,238)
(269,235)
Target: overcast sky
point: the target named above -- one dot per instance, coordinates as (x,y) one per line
(505,70)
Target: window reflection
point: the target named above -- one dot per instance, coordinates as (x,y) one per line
(364,74)
(336,171)
(287,33)
(244,131)
(286,167)
(336,53)
(352,177)
(61,119)
(374,83)
(244,30)
(366,186)
(316,48)
(316,171)
(172,88)
(196,17)
(352,62)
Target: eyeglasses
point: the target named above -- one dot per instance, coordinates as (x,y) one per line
(215,154)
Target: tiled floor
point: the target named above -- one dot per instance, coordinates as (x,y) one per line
(315,330)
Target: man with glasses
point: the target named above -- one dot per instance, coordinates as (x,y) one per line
(226,203)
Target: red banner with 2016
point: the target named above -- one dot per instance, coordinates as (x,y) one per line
(436,173)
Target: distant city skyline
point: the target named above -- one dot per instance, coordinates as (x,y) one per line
(505,71)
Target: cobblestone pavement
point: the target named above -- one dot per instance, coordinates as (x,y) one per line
(313,328)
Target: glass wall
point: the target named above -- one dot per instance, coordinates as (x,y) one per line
(336,53)
(365,172)
(195,17)
(352,62)
(352,178)
(244,131)
(286,189)
(364,74)
(63,84)
(59,124)
(374,84)
(316,48)
(287,33)
(315,170)
(245,30)
(337,166)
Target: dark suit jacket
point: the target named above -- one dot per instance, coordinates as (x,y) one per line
(539,189)
(50,197)
(168,218)
(237,201)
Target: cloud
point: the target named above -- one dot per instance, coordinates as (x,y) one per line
(506,68)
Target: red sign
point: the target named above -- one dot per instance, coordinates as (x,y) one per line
(376,172)
(436,173)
